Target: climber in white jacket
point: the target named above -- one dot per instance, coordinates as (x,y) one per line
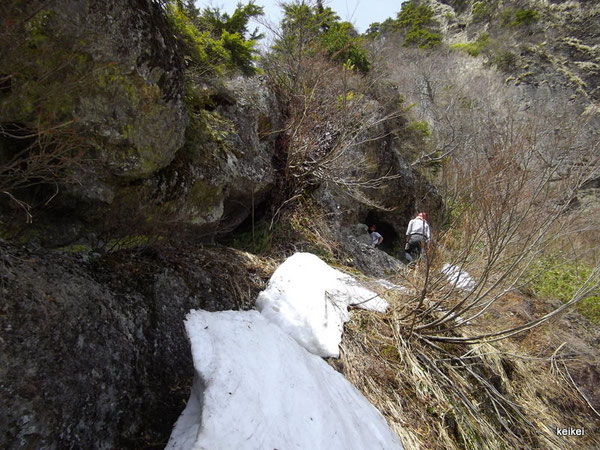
(418,236)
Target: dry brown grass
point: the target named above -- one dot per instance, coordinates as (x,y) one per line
(447,396)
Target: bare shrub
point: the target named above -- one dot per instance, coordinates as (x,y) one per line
(512,170)
(333,112)
(39,78)
(44,156)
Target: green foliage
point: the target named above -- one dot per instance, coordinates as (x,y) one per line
(216,22)
(560,278)
(421,127)
(350,95)
(483,11)
(422,38)
(474,48)
(215,43)
(518,18)
(377,29)
(341,43)
(525,17)
(506,16)
(312,29)
(415,16)
(505,60)
(416,21)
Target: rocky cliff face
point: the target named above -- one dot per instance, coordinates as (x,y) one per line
(93,353)
(537,43)
(120,85)
(93,350)
(111,67)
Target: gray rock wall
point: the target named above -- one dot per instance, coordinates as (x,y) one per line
(93,352)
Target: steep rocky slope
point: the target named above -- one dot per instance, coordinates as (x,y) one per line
(93,350)
(145,150)
(537,43)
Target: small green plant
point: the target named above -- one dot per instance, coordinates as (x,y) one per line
(506,16)
(505,60)
(476,47)
(483,11)
(390,352)
(421,127)
(510,17)
(561,278)
(524,17)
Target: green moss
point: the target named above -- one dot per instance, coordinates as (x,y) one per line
(129,242)
(474,48)
(204,203)
(114,79)
(524,17)
(75,248)
(560,278)
(48,75)
(484,10)
(390,353)
(37,28)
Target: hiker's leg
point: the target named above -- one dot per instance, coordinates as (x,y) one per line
(414,246)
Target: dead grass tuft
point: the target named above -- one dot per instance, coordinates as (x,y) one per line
(450,396)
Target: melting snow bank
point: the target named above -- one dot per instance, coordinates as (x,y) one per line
(256,388)
(459,278)
(309,300)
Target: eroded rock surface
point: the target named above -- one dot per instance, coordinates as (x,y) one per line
(93,349)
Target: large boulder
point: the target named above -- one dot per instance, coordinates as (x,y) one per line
(93,351)
(231,171)
(152,160)
(357,245)
(112,68)
(224,169)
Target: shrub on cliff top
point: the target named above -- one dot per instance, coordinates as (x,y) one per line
(215,42)
(309,29)
(416,21)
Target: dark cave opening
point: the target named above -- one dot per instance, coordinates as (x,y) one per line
(392,241)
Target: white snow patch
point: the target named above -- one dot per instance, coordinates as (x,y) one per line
(459,278)
(256,388)
(309,300)
(394,287)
